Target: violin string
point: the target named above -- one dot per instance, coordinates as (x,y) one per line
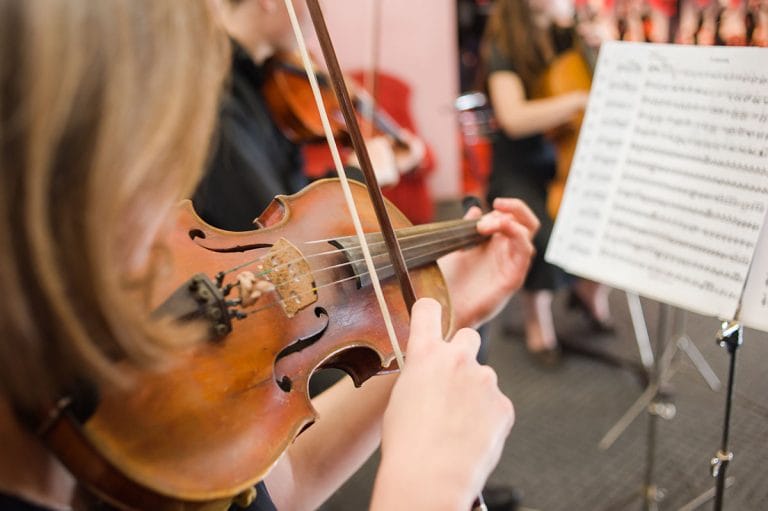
(316,288)
(469,225)
(465,233)
(444,247)
(437,228)
(462,225)
(456,243)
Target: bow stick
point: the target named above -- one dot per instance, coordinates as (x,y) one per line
(370,78)
(339,87)
(361,151)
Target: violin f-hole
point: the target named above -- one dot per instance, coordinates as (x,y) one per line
(303,343)
(196,233)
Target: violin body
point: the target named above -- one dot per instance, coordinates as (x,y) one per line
(213,424)
(292,104)
(568,72)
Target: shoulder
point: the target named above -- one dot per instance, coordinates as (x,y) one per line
(498,60)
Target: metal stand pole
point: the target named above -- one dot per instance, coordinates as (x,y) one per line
(651,494)
(664,370)
(654,400)
(730,337)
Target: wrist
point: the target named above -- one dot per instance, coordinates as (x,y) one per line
(406,486)
(579,101)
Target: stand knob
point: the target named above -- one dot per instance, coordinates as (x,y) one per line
(719,462)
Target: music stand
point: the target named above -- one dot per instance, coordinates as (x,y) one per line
(654,399)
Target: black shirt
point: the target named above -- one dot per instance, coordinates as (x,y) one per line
(532,157)
(252,160)
(263,502)
(11,503)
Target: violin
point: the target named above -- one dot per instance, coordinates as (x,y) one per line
(290,100)
(278,303)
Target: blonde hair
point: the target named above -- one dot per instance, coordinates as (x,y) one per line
(106,110)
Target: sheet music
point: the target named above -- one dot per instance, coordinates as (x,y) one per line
(669,185)
(754,306)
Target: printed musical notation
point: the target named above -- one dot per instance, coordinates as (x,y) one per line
(668,191)
(754,303)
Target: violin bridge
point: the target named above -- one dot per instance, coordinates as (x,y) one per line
(287,269)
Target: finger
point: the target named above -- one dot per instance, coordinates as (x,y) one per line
(519,210)
(426,325)
(488,377)
(521,243)
(473,213)
(514,230)
(505,225)
(467,341)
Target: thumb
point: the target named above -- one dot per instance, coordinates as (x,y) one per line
(426,326)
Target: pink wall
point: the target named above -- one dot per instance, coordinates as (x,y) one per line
(418,44)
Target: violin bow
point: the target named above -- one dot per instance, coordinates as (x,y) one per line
(377,200)
(342,95)
(370,77)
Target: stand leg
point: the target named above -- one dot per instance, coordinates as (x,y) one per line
(641,330)
(685,344)
(647,398)
(702,366)
(706,496)
(628,418)
(730,338)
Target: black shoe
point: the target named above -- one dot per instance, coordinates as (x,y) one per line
(501,498)
(548,358)
(601,326)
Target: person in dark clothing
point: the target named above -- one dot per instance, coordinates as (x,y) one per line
(521,38)
(252,161)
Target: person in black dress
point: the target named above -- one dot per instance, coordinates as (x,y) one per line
(521,38)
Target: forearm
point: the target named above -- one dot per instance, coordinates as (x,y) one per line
(468,309)
(519,116)
(538,115)
(405,489)
(346,433)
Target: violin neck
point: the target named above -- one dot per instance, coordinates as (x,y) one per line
(421,245)
(380,119)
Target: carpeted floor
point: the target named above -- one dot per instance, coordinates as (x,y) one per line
(552,455)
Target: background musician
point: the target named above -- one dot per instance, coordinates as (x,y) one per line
(522,37)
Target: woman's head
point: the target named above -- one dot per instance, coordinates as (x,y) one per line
(514,29)
(106,109)
(262,27)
